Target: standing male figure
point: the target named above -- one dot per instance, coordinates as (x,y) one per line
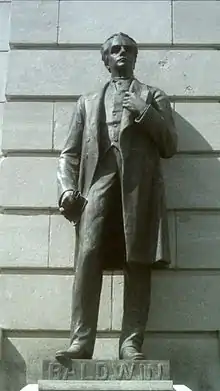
(112,160)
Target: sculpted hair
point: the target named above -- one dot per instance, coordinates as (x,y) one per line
(108,43)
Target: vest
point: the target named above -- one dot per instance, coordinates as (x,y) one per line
(112,113)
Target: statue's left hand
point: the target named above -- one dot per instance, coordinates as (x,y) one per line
(134,103)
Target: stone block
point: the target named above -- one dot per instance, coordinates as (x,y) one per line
(194,358)
(111,370)
(34,21)
(106,347)
(114,385)
(62,242)
(1,122)
(189,300)
(31,352)
(63,112)
(44,302)
(24,241)
(54,72)
(27,125)
(28,182)
(95,27)
(202,25)
(198,126)
(74,72)
(192,182)
(35,301)
(3,70)
(198,239)
(4,25)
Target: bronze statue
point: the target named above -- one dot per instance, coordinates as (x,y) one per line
(111,188)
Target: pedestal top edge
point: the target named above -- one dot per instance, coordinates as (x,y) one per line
(105,385)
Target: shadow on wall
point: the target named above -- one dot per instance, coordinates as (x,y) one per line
(189,138)
(193,179)
(13,368)
(192,186)
(192,361)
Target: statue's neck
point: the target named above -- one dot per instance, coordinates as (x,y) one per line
(121,78)
(122,75)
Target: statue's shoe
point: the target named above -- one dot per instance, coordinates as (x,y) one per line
(131,353)
(74,352)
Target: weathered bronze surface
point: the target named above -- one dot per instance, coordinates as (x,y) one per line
(110,186)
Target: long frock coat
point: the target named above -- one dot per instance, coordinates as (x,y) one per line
(142,221)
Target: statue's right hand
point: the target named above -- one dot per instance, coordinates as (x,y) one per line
(72,205)
(68,199)
(67,203)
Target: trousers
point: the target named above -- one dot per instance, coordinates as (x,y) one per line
(88,276)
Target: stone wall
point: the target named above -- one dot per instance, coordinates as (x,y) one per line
(54,57)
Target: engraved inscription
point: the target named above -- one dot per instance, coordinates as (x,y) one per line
(101,371)
(160,371)
(107,370)
(85,375)
(54,371)
(123,371)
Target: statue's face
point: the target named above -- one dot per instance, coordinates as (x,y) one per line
(121,55)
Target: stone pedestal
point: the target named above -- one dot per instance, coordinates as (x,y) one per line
(88,370)
(106,375)
(105,385)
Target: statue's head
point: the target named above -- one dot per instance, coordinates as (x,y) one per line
(119,52)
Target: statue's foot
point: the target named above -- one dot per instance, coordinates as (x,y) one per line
(131,353)
(74,352)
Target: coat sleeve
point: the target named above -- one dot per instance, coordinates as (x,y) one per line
(158,121)
(69,161)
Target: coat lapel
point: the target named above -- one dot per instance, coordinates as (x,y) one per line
(96,112)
